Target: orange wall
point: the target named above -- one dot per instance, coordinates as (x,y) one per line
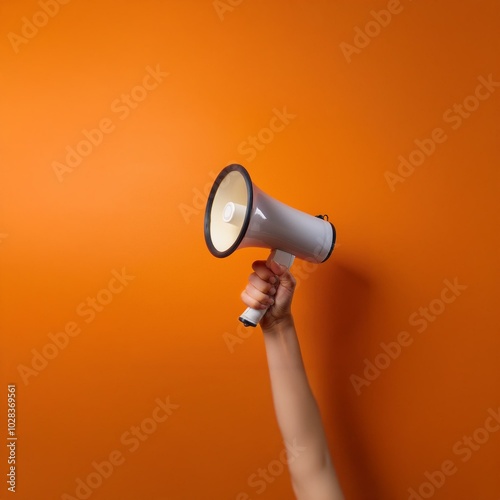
(205,78)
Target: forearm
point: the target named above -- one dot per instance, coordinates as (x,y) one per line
(299,420)
(296,409)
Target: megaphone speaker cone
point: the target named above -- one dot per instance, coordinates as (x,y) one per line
(228,210)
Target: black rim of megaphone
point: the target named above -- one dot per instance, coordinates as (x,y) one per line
(334,239)
(208,212)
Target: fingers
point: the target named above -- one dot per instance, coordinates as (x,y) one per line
(283,275)
(261,287)
(256,299)
(269,274)
(276,268)
(263,272)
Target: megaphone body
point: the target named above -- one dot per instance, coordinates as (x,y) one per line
(240,215)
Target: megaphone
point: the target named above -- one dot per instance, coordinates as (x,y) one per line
(239,215)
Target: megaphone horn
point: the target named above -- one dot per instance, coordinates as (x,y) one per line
(240,215)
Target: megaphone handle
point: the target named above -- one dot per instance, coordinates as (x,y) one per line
(252,317)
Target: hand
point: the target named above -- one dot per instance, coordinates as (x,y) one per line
(270,286)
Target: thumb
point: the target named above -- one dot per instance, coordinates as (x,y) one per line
(283,275)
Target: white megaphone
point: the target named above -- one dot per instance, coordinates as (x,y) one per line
(240,215)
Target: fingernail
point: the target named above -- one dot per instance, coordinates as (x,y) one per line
(272,280)
(271,301)
(272,291)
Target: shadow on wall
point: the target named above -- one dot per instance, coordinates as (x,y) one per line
(345,300)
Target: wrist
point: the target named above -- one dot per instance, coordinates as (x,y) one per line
(279,325)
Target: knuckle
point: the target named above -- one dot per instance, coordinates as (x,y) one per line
(257,264)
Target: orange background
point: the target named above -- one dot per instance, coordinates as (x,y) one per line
(125,206)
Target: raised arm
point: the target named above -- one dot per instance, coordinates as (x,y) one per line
(311,470)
